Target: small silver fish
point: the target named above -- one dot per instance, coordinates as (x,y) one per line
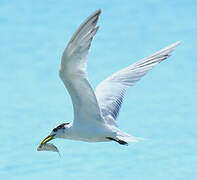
(48,147)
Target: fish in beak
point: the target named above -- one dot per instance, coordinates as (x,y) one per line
(44,146)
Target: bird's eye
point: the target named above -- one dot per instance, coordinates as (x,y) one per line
(55,129)
(60,126)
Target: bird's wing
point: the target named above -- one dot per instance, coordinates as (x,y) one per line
(110,93)
(73,71)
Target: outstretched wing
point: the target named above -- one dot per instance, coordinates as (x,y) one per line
(73,71)
(110,93)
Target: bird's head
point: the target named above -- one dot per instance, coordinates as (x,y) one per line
(57,132)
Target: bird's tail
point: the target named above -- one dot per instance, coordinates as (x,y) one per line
(128,138)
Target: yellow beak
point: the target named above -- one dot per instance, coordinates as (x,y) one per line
(47,139)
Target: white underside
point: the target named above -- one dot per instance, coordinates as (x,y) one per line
(96,132)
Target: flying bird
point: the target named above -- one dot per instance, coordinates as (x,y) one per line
(96,112)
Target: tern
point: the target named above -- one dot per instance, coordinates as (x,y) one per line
(96,112)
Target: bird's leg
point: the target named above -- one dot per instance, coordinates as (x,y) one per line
(118,141)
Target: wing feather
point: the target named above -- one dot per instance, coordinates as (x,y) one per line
(110,93)
(73,72)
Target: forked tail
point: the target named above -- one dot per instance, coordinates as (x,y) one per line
(124,138)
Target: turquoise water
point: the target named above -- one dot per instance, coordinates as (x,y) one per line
(161,107)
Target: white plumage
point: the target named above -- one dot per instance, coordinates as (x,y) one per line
(95,113)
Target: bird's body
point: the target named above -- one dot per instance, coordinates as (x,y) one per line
(96,112)
(90,133)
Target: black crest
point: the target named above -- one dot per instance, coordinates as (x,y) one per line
(60,126)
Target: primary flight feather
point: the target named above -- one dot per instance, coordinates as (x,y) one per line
(95,113)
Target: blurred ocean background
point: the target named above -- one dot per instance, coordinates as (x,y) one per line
(162,107)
